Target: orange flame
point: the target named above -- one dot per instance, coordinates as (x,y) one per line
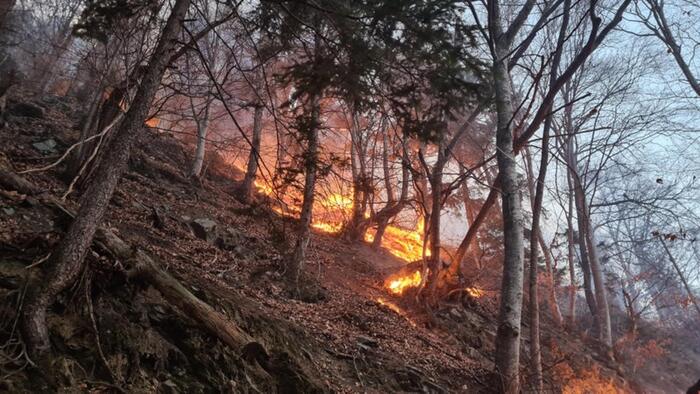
(399,285)
(335,208)
(474,292)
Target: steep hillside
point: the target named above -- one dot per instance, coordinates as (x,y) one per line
(115,331)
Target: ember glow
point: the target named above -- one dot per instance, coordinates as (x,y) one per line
(474,292)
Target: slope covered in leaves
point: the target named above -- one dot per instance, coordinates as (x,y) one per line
(114,332)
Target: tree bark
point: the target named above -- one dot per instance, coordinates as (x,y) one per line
(69,256)
(388,212)
(510,312)
(600,291)
(356,227)
(570,254)
(254,156)
(294,271)
(202,129)
(434,223)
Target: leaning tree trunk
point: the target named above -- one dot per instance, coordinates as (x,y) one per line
(254,156)
(296,263)
(509,317)
(69,256)
(691,296)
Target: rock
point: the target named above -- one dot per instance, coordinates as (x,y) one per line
(204,228)
(27,110)
(232,239)
(9,211)
(46,146)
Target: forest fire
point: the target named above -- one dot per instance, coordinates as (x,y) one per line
(330,216)
(331,213)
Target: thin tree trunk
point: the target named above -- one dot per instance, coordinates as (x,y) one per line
(78,158)
(434,223)
(254,156)
(294,271)
(571,253)
(390,198)
(576,187)
(470,215)
(470,236)
(69,256)
(680,274)
(202,129)
(355,228)
(600,291)
(535,351)
(390,211)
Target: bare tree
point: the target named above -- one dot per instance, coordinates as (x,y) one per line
(69,256)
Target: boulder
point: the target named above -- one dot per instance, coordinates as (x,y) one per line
(204,228)
(46,146)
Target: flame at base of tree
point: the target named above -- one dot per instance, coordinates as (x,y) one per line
(399,285)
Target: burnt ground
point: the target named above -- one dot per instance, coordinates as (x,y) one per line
(111,332)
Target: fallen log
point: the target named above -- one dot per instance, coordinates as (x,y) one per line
(176,294)
(144,266)
(11,181)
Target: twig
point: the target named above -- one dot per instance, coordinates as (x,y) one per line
(38,262)
(82,169)
(65,154)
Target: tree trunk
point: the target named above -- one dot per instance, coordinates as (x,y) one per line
(390,211)
(509,317)
(571,253)
(254,156)
(202,129)
(434,224)
(535,352)
(69,256)
(600,291)
(355,228)
(575,185)
(590,263)
(470,236)
(176,294)
(390,198)
(78,159)
(680,274)
(294,271)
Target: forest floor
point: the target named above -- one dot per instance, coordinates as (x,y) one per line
(113,332)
